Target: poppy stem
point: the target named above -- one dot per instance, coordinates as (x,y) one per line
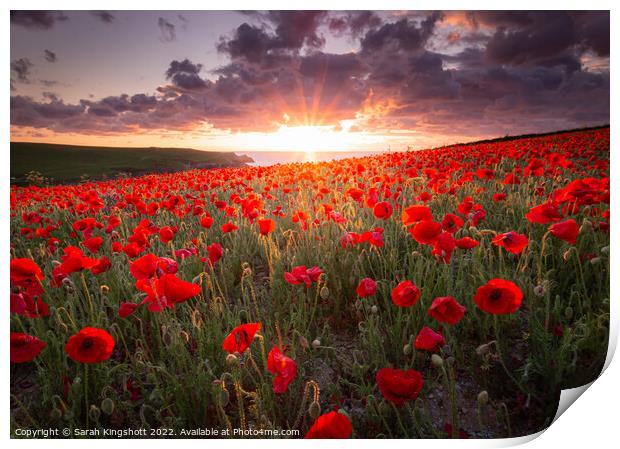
(86,393)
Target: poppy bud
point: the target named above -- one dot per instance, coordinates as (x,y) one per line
(483,397)
(605,250)
(94,413)
(55,414)
(407,349)
(416,253)
(303,342)
(482,349)
(436,360)
(245,265)
(374,309)
(314,410)
(568,253)
(539,290)
(595,260)
(232,360)
(243,315)
(223,397)
(140,366)
(324,292)
(316,343)
(568,312)
(104,289)
(586,225)
(107,406)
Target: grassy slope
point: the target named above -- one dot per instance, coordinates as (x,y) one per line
(68,163)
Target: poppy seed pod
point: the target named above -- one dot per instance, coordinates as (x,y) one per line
(104,289)
(324,292)
(316,343)
(483,397)
(94,413)
(374,310)
(314,410)
(107,406)
(407,349)
(436,360)
(232,360)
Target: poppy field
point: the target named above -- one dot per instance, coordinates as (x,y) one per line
(444,293)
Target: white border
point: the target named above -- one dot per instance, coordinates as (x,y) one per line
(591,421)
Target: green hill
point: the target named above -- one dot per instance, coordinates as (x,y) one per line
(67,163)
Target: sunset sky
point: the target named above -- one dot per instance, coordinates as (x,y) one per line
(304,80)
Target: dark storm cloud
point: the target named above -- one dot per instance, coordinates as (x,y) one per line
(403,35)
(292,30)
(37,19)
(50,56)
(487,73)
(21,67)
(104,16)
(184,75)
(167,29)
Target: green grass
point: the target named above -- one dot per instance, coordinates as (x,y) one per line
(67,163)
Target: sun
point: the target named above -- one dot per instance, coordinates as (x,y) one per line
(308,139)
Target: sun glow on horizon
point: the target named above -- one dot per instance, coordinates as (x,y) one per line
(309,139)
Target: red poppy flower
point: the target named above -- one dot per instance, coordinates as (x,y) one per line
(443,247)
(103,264)
(511,241)
(367,287)
(413,214)
(405,294)
(90,345)
(446,309)
(240,338)
(399,386)
(429,340)
(126,309)
(566,230)
(499,297)
(228,227)
(383,210)
(166,234)
(497,197)
(30,306)
(215,252)
(452,223)
(93,244)
(266,226)
(166,291)
(301,274)
(206,221)
(283,367)
(543,214)
(145,267)
(26,274)
(332,425)
(466,243)
(25,347)
(426,232)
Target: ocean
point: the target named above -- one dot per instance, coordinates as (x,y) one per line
(264,158)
